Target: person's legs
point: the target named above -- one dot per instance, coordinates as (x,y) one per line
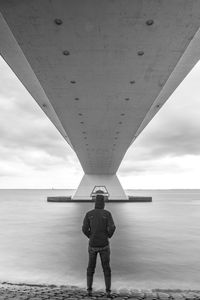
(91,268)
(105,261)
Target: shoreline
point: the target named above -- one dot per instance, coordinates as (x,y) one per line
(26,291)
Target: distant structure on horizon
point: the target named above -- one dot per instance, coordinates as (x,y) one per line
(100,70)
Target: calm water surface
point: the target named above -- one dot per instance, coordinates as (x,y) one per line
(156,245)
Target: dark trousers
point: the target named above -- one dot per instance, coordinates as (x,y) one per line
(105,261)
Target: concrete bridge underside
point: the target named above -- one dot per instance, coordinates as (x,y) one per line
(100,70)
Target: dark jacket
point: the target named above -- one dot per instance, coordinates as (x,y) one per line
(98,226)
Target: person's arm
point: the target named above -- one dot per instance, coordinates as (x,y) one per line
(111,226)
(86,226)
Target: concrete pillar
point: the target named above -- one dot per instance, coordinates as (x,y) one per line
(111,182)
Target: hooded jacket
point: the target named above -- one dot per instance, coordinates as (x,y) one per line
(98,226)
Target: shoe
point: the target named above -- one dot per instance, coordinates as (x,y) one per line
(89,293)
(108,294)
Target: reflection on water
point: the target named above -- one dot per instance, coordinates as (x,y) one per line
(155,244)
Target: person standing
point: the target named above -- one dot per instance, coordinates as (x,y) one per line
(98,226)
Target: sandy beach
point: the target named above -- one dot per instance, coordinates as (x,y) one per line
(40,292)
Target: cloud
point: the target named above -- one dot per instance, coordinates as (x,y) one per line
(172,135)
(31,147)
(29,142)
(19,132)
(175,133)
(158,166)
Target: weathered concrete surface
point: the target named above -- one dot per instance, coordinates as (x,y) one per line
(43,292)
(110,181)
(100,70)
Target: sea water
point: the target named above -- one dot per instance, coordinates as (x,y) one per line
(156,245)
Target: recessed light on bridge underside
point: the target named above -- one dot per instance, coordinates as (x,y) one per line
(66,52)
(77,99)
(127,99)
(58,21)
(149,22)
(132,81)
(73,81)
(140,53)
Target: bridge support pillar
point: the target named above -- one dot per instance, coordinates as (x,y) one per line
(111,182)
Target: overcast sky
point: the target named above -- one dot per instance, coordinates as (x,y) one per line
(33,154)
